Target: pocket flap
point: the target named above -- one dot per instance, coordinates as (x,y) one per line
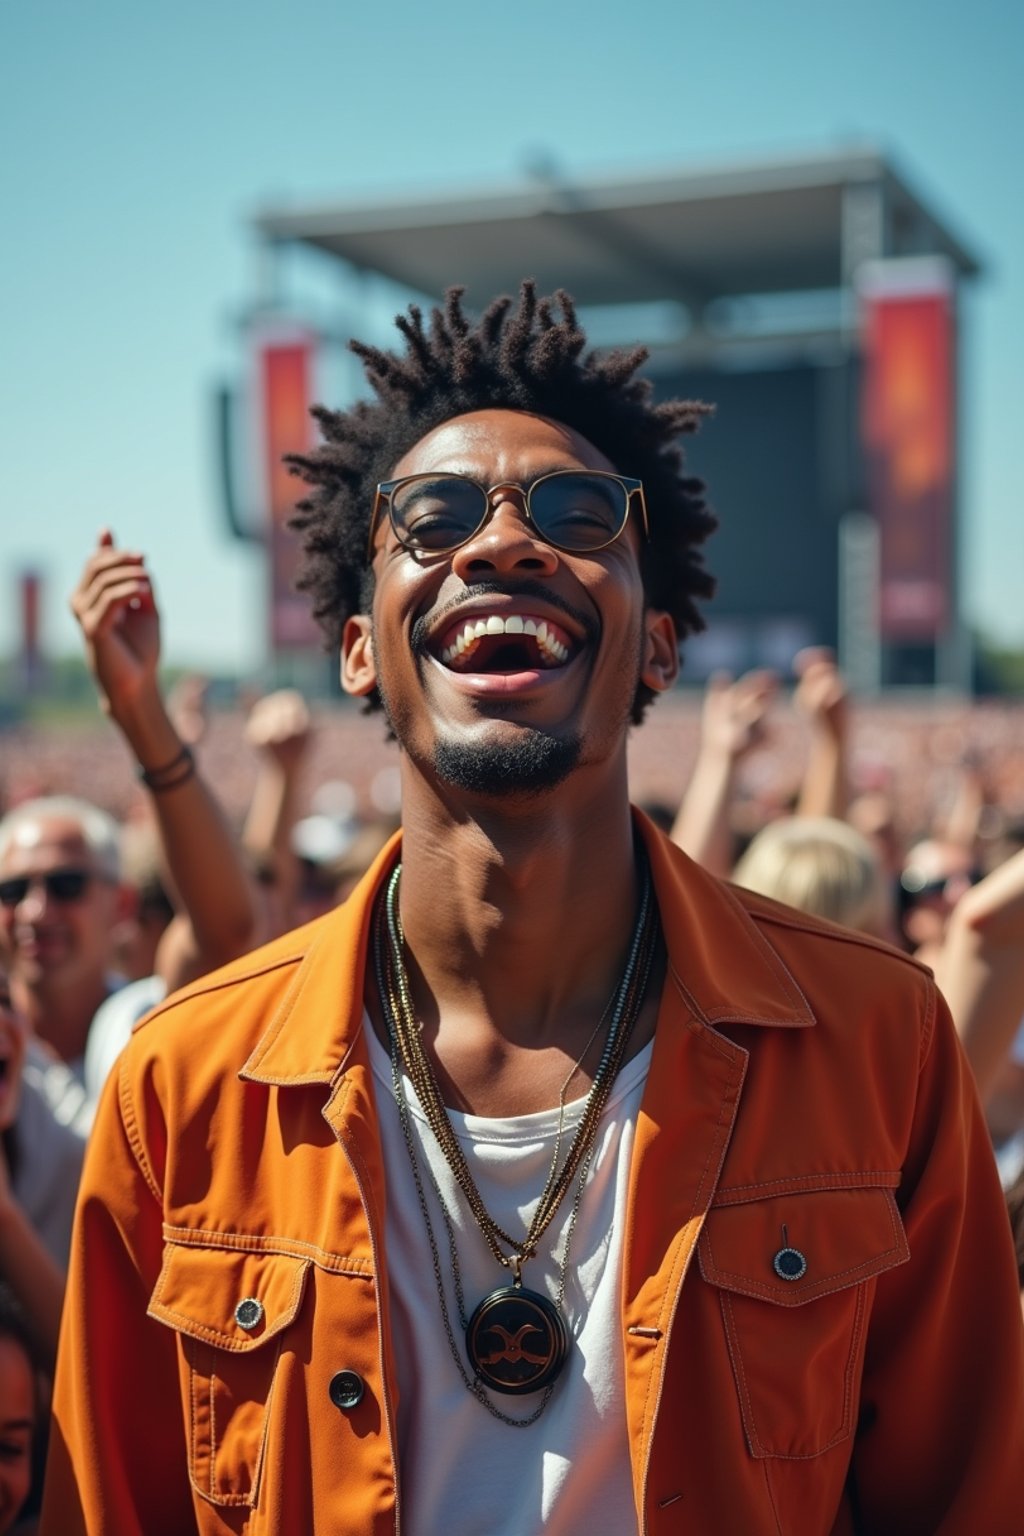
(843,1235)
(228,1297)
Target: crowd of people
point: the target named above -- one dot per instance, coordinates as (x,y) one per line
(101,918)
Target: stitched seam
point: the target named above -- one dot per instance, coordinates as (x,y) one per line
(261,1454)
(843,1432)
(718,1015)
(207,986)
(874,1178)
(837,1438)
(684,1251)
(782,917)
(213,1432)
(133,1134)
(928,1030)
(284,1247)
(810,1293)
(858,1329)
(269,1039)
(191,1357)
(700,1020)
(746,1406)
(775,960)
(771,1497)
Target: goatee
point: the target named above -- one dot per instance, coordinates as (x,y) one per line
(531,763)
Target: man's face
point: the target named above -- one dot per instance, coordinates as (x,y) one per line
(514,711)
(935,876)
(51,932)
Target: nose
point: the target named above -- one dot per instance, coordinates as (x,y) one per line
(34,901)
(506,542)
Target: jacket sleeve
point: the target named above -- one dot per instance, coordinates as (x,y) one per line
(117,1459)
(941,1440)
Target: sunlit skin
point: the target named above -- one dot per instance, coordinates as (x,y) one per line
(17,1418)
(13,1035)
(517,909)
(57,953)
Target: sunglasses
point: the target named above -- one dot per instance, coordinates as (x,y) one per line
(64,885)
(914,887)
(578,512)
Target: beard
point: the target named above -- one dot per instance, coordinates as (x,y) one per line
(531,763)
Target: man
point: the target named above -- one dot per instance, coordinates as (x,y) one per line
(548,1184)
(61,899)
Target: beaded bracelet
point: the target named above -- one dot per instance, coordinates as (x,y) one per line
(169,775)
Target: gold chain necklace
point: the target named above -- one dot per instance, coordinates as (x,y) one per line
(517,1340)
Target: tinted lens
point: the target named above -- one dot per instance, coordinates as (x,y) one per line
(67,884)
(437,512)
(61,884)
(578,511)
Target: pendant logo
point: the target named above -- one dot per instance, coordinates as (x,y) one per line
(517,1340)
(512,1349)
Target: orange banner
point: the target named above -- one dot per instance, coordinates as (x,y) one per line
(908,427)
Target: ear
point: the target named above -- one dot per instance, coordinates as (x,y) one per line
(358,669)
(661,651)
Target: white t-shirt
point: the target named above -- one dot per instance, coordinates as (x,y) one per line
(462,1471)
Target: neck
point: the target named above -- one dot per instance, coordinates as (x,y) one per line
(60,1014)
(519,916)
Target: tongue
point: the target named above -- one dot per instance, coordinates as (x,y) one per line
(500,653)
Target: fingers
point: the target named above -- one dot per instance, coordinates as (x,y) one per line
(278,717)
(812,656)
(114,582)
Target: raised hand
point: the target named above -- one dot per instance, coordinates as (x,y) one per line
(733,719)
(279,726)
(821,693)
(116,610)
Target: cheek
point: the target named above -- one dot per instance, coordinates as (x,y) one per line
(15,1476)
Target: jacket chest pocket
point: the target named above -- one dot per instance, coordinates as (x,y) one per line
(231,1311)
(794,1275)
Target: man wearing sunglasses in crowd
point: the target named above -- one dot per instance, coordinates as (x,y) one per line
(61,899)
(548,1184)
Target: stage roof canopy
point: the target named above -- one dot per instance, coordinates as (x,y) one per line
(694,235)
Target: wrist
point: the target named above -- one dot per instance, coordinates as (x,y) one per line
(147,728)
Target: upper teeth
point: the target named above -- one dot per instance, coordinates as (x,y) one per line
(473,630)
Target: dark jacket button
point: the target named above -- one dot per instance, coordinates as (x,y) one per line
(346,1389)
(789,1264)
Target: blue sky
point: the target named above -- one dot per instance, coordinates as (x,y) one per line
(139,139)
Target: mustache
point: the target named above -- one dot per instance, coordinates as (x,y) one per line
(428,623)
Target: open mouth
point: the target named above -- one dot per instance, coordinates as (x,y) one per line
(500,643)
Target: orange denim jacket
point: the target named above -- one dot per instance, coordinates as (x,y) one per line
(805,1081)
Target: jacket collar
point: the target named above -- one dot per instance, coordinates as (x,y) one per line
(721,961)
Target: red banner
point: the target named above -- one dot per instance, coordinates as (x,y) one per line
(908,427)
(30,660)
(285,377)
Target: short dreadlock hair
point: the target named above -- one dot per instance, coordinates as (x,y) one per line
(522,359)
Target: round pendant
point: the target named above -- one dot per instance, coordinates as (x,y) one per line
(517,1341)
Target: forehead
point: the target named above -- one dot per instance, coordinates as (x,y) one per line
(47,843)
(499,445)
(937,861)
